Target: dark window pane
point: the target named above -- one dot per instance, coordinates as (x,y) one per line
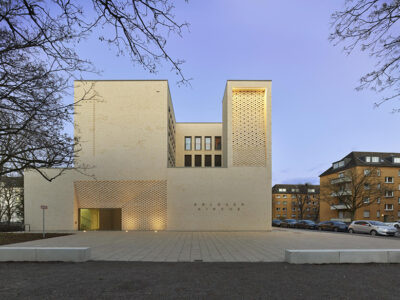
(217,143)
(217,159)
(188,160)
(197,160)
(207,160)
(188,143)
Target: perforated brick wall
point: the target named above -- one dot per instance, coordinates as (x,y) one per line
(249,128)
(143,202)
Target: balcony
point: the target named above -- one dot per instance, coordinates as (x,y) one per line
(340,180)
(338,207)
(341,193)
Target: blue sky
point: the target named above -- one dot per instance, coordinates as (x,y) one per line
(317,115)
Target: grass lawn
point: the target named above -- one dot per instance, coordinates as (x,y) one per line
(12,237)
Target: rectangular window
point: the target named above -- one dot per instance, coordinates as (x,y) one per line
(217,161)
(378,213)
(284,196)
(366,172)
(378,200)
(398,213)
(311,190)
(396,160)
(279,202)
(293,196)
(368,159)
(398,200)
(284,208)
(188,143)
(375,159)
(388,206)
(278,209)
(378,186)
(388,194)
(207,141)
(217,143)
(366,200)
(197,160)
(197,143)
(366,186)
(284,203)
(207,160)
(293,208)
(378,172)
(388,179)
(188,160)
(366,213)
(282,190)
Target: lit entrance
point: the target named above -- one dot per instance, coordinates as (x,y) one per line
(99,219)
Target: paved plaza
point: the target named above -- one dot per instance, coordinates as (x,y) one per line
(170,246)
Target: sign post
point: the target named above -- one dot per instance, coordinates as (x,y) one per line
(43,207)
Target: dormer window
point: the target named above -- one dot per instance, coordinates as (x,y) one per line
(311,190)
(338,164)
(375,159)
(396,160)
(368,159)
(282,190)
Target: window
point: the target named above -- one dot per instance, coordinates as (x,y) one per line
(197,160)
(293,216)
(399,187)
(375,159)
(188,143)
(388,206)
(366,213)
(341,174)
(207,142)
(388,194)
(278,209)
(378,172)
(197,143)
(378,186)
(378,200)
(396,160)
(293,208)
(284,208)
(311,190)
(278,216)
(278,196)
(293,196)
(378,213)
(217,143)
(366,172)
(188,160)
(282,190)
(207,160)
(284,196)
(366,186)
(284,203)
(398,200)
(307,209)
(278,202)
(388,179)
(398,173)
(368,159)
(217,160)
(295,190)
(366,200)
(398,213)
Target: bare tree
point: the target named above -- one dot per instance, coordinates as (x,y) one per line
(354,189)
(11,199)
(38,62)
(304,199)
(372,26)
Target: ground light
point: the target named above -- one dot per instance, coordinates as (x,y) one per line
(155,231)
(126,230)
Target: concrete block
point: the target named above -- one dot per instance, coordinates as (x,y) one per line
(311,256)
(74,254)
(17,254)
(67,254)
(363,256)
(393,256)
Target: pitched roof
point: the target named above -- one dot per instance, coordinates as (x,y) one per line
(290,188)
(357,158)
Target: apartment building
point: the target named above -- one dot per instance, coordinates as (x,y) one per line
(150,172)
(362,185)
(295,201)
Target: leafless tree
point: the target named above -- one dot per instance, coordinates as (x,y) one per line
(38,62)
(354,189)
(304,199)
(11,199)
(373,26)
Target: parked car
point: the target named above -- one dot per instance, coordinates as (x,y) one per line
(276,222)
(289,223)
(306,224)
(332,226)
(394,224)
(372,228)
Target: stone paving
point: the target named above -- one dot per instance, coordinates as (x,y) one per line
(171,246)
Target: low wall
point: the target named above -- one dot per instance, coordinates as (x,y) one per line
(65,254)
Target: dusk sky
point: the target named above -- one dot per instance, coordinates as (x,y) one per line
(317,115)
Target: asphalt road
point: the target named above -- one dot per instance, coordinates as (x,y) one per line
(135,280)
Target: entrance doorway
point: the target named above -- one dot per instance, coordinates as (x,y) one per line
(100,219)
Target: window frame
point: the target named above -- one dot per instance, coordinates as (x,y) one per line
(196,156)
(205,143)
(191,160)
(185,144)
(195,143)
(215,143)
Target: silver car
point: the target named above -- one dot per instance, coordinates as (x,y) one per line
(372,228)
